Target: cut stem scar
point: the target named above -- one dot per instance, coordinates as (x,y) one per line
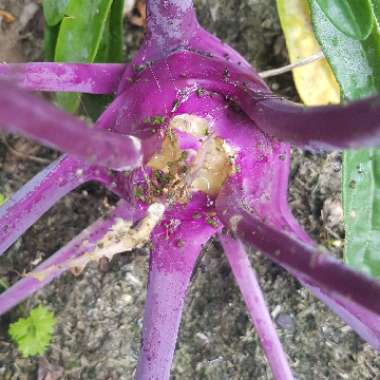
(121,238)
(287,68)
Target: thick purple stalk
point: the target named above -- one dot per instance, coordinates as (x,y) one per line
(170,24)
(364,321)
(84,242)
(171,265)
(95,78)
(37,196)
(312,265)
(351,126)
(322,128)
(163,310)
(37,119)
(257,308)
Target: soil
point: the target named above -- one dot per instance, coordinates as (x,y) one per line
(100,312)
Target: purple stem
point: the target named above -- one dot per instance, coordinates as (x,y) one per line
(324,128)
(351,126)
(194,38)
(95,78)
(163,310)
(312,265)
(170,24)
(171,265)
(36,197)
(22,113)
(355,305)
(257,308)
(84,242)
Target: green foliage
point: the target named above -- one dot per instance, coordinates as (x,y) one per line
(351,17)
(33,334)
(361,202)
(79,38)
(111,49)
(376,9)
(356,64)
(81,30)
(50,39)
(87,31)
(54,10)
(115,37)
(3,284)
(2,199)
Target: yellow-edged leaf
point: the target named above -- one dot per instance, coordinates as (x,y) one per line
(315,82)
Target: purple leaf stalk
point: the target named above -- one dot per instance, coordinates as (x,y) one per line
(196,146)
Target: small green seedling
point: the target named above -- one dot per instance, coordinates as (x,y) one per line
(33,334)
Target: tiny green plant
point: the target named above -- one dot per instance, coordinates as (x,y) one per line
(33,334)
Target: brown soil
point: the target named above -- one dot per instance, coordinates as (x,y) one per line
(100,313)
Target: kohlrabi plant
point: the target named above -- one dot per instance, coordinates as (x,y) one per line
(196,146)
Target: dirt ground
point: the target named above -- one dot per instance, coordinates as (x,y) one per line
(100,312)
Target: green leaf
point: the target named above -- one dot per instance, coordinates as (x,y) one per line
(111,51)
(68,101)
(361,202)
(103,53)
(54,10)
(94,105)
(111,45)
(356,65)
(351,17)
(116,43)
(79,38)
(91,31)
(81,30)
(3,284)
(376,9)
(50,40)
(2,199)
(33,334)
